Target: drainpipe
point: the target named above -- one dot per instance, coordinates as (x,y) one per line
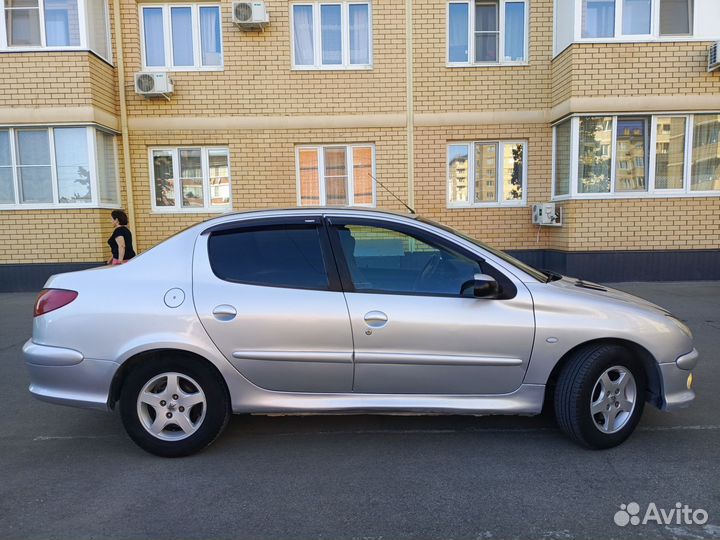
(410,120)
(120,64)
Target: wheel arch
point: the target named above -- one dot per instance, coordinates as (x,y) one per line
(652,371)
(151,356)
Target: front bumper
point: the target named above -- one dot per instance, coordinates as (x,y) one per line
(63,376)
(676,393)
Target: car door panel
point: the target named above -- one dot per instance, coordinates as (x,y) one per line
(279,338)
(431,343)
(441,345)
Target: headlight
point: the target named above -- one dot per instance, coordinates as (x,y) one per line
(681,325)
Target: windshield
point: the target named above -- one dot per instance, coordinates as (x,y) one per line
(537,274)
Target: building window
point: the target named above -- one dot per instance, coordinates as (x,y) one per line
(181,37)
(332,36)
(646,155)
(58,167)
(705,174)
(487,173)
(190,179)
(487,32)
(622,18)
(55,24)
(336,175)
(561,163)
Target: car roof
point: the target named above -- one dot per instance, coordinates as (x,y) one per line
(319,210)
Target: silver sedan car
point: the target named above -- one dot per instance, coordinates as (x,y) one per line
(340,310)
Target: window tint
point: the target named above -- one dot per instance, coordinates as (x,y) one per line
(287,256)
(384,260)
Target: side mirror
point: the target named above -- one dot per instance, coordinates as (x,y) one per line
(481,286)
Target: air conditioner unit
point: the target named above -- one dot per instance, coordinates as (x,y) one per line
(153,84)
(250,15)
(714,57)
(547,214)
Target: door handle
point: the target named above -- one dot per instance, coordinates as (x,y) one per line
(376,319)
(224,312)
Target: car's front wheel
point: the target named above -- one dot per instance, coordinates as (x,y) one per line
(173,407)
(600,395)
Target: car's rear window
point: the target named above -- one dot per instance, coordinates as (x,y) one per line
(279,256)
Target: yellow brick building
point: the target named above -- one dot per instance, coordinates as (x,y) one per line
(470,110)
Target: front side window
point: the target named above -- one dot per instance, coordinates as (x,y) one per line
(332,35)
(282,256)
(57,167)
(190,179)
(181,37)
(336,175)
(383,260)
(630,155)
(486,174)
(618,18)
(487,32)
(55,24)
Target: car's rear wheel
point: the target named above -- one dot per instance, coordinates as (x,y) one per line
(600,395)
(174,407)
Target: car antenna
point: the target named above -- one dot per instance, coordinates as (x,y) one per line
(379,183)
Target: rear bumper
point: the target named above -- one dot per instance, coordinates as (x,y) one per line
(676,393)
(63,376)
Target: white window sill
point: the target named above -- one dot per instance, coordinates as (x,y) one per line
(487,205)
(53,206)
(359,67)
(635,195)
(176,211)
(642,39)
(187,69)
(53,49)
(485,64)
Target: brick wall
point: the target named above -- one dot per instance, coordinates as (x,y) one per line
(438,88)
(633,69)
(258,79)
(56,79)
(262,166)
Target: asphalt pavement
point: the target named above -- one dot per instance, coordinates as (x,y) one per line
(71,473)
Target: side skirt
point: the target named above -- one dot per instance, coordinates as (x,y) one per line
(526,400)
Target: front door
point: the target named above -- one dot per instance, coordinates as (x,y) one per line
(268,295)
(414,332)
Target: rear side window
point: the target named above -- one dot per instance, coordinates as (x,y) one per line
(283,256)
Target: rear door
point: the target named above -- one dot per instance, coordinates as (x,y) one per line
(268,295)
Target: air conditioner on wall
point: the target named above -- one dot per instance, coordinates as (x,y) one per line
(250,15)
(547,214)
(150,84)
(714,57)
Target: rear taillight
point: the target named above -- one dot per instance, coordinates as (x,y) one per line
(51,299)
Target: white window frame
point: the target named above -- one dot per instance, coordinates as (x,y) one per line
(167,37)
(499,180)
(317,37)
(204,160)
(618,36)
(92,168)
(501,39)
(349,152)
(82,24)
(651,192)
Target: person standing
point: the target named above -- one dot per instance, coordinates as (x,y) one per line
(120,241)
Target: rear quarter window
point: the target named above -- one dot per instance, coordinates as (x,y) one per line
(283,256)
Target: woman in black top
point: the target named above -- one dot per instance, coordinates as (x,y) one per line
(120,241)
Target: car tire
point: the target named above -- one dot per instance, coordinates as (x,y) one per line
(600,395)
(174,407)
